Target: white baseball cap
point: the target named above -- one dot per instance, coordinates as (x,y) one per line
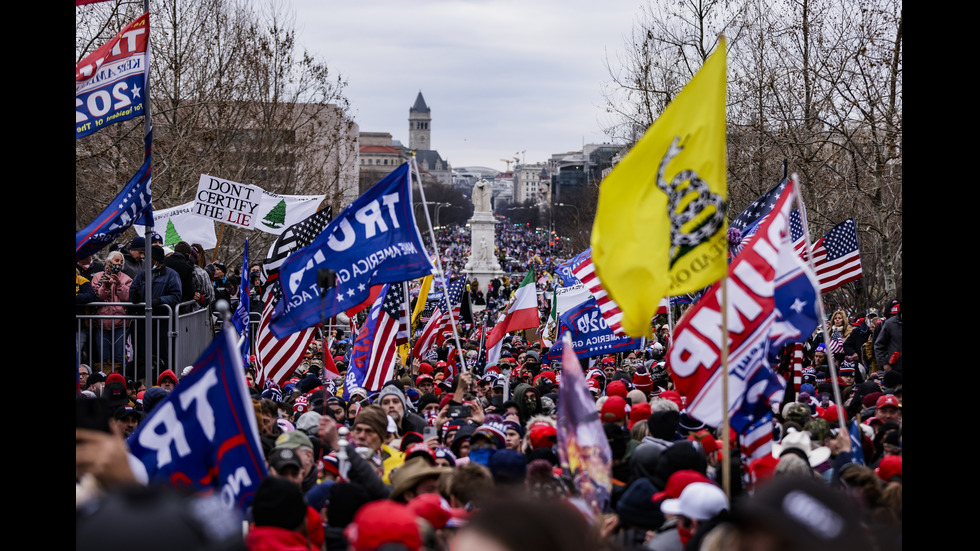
(699,501)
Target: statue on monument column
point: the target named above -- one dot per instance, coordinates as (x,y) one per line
(482,254)
(482,192)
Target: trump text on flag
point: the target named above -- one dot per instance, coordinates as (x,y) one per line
(374,240)
(226,201)
(371,221)
(110,82)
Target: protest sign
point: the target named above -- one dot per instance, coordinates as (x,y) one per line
(226,201)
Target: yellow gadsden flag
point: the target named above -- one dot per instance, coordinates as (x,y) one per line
(660,225)
(420,305)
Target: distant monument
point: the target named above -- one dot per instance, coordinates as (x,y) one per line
(482,264)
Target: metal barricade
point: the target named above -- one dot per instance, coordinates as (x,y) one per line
(194,332)
(177,340)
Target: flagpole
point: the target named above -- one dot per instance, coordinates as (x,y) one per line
(148,230)
(726,466)
(439,271)
(831,363)
(408,311)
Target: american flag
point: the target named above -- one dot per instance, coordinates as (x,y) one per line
(836,257)
(759,208)
(610,311)
(796,233)
(757,438)
(277,358)
(434,331)
(295,237)
(836,343)
(375,348)
(750,219)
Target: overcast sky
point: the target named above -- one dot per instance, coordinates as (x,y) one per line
(501,77)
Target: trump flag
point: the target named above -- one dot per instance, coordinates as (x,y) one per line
(772,300)
(132,205)
(203,436)
(110,83)
(374,240)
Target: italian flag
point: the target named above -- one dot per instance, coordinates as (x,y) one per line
(522,313)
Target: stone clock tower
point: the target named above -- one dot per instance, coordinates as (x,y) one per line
(419,119)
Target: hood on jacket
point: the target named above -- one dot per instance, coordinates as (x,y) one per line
(167,373)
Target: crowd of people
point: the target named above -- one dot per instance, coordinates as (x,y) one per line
(446,456)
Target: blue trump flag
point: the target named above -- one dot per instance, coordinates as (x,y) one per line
(565,270)
(132,205)
(203,436)
(373,241)
(590,334)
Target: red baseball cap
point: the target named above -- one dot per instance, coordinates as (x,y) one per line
(677,482)
(542,435)
(383,522)
(616,388)
(889,466)
(887,400)
(614,409)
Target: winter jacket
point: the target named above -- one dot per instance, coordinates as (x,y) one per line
(185,271)
(166,290)
(108,291)
(84,294)
(889,341)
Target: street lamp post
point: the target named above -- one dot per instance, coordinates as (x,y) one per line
(439,206)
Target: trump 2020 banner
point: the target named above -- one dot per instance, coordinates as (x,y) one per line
(110,83)
(590,334)
(203,436)
(374,240)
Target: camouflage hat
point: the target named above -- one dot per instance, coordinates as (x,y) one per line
(796,412)
(818,428)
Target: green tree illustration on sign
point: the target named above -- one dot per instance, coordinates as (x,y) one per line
(171,236)
(276,216)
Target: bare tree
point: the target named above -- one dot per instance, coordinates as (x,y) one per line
(666,48)
(232,96)
(817,83)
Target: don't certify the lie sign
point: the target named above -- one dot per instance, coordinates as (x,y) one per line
(227,201)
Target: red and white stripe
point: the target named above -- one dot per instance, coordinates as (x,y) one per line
(610,311)
(431,333)
(381,365)
(797,365)
(832,275)
(389,332)
(757,441)
(278,358)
